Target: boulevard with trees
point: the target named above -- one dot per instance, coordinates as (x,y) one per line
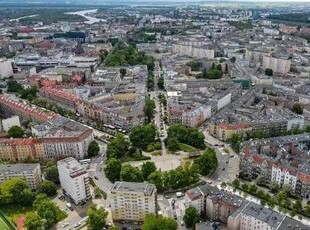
(282,198)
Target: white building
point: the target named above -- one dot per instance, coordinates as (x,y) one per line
(6,69)
(9,122)
(223,101)
(74,179)
(277,64)
(283,176)
(132,201)
(30,172)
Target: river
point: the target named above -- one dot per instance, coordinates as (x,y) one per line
(17,19)
(90,20)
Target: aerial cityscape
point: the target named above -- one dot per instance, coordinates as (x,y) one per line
(154,115)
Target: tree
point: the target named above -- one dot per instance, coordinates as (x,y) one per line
(46,209)
(15,191)
(268,72)
(142,135)
(297,205)
(93,149)
(236,183)
(173,144)
(48,187)
(191,217)
(118,147)
(153,222)
(161,83)
(149,109)
(34,221)
(233,59)
(51,174)
(204,73)
(114,228)
(130,173)
(13,86)
(157,178)
(147,168)
(207,162)
(96,218)
(16,132)
(219,67)
(123,72)
(297,108)
(195,65)
(113,169)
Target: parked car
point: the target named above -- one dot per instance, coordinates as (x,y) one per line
(77,225)
(65,225)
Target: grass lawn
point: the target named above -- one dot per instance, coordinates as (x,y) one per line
(3,225)
(15,211)
(187,148)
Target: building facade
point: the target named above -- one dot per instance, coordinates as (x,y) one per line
(74,179)
(31,173)
(132,201)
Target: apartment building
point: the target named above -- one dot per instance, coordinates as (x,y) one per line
(132,201)
(30,172)
(74,179)
(254,216)
(238,213)
(9,107)
(6,69)
(59,137)
(277,64)
(193,50)
(9,122)
(283,160)
(60,97)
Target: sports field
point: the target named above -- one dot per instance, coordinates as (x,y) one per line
(3,225)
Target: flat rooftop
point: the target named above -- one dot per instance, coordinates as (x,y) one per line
(17,168)
(74,167)
(146,189)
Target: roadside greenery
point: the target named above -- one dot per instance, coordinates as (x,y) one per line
(153,222)
(149,109)
(281,198)
(96,217)
(236,140)
(207,162)
(142,136)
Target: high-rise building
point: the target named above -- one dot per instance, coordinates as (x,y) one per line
(74,179)
(29,172)
(132,201)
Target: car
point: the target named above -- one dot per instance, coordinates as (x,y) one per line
(124,228)
(96,177)
(210,182)
(182,223)
(231,156)
(227,162)
(77,225)
(64,225)
(223,169)
(175,216)
(109,224)
(167,197)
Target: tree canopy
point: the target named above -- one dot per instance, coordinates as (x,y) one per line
(118,147)
(191,217)
(297,108)
(153,222)
(207,162)
(51,174)
(34,221)
(142,135)
(147,168)
(149,109)
(93,149)
(190,136)
(268,72)
(16,132)
(15,191)
(96,218)
(113,169)
(130,173)
(48,187)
